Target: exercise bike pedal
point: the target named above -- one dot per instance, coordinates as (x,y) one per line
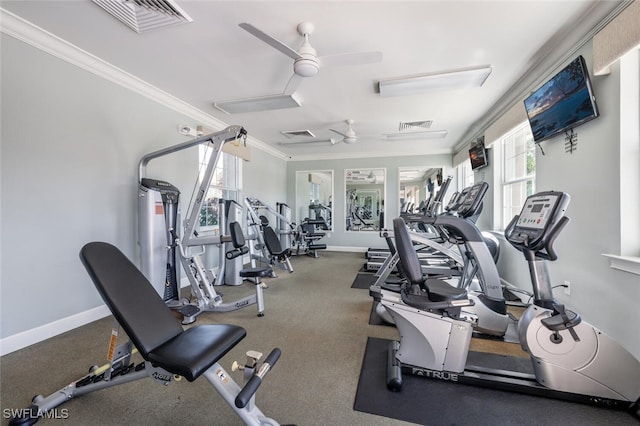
(562,319)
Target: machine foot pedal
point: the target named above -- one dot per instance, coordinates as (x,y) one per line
(189,313)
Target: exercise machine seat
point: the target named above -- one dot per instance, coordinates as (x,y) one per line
(238,241)
(258,272)
(273,243)
(437,290)
(309,230)
(149,323)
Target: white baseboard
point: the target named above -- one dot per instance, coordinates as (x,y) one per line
(347,249)
(29,337)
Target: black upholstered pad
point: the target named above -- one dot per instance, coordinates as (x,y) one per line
(191,353)
(317,246)
(256,272)
(409,261)
(237,238)
(439,291)
(272,242)
(134,302)
(314,235)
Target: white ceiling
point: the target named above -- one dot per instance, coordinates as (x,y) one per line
(213,59)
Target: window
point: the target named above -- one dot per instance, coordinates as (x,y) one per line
(225,184)
(518,172)
(315,192)
(628,258)
(630,153)
(465,175)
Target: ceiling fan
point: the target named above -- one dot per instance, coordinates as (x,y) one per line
(306,62)
(348,136)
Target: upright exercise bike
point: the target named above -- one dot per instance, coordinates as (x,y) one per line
(572,359)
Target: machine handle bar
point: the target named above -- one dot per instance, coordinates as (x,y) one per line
(254,383)
(232,254)
(549,252)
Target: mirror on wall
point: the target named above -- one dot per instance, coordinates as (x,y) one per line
(365,190)
(418,186)
(314,197)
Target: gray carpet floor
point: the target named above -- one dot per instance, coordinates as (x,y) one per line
(312,315)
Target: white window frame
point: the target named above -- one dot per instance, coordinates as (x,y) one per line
(502,213)
(226,183)
(466,175)
(628,258)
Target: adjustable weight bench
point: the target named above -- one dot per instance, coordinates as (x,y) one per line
(168,350)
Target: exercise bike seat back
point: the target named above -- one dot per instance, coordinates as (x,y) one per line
(436,290)
(149,323)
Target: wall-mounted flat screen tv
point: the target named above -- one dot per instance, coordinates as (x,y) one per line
(562,103)
(478,155)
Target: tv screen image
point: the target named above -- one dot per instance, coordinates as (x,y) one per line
(562,103)
(478,156)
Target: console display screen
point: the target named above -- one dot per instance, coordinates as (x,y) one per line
(537,211)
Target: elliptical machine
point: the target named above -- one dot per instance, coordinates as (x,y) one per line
(572,360)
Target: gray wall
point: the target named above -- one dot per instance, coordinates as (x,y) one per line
(606,297)
(71,142)
(265,178)
(339,238)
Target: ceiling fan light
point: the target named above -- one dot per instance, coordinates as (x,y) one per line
(451,80)
(350,139)
(306,67)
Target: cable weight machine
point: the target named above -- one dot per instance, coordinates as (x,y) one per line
(162,248)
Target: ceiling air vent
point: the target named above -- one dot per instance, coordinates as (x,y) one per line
(145,15)
(298,133)
(415,125)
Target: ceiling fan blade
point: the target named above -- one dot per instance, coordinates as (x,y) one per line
(293,84)
(270,40)
(356,58)
(340,133)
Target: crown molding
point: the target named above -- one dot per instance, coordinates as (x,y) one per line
(23,30)
(357,155)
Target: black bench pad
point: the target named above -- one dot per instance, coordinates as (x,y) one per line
(192,352)
(256,272)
